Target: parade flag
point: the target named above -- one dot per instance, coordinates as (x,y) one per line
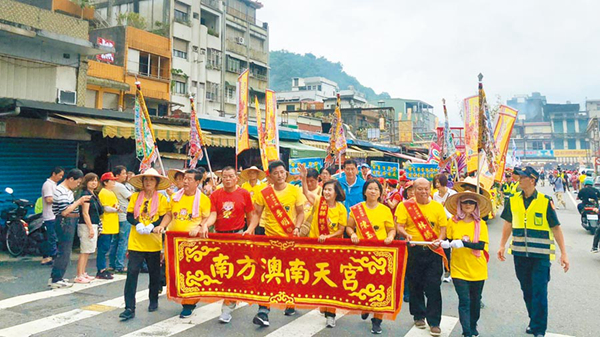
(485,140)
(196,141)
(504,126)
(486,178)
(449,147)
(471,116)
(271,129)
(434,154)
(384,169)
(145,143)
(242,133)
(337,139)
(419,170)
(316,163)
(281,272)
(261,136)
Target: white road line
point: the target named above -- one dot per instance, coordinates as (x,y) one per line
(18,300)
(556,335)
(54,321)
(175,325)
(305,326)
(447,325)
(572,199)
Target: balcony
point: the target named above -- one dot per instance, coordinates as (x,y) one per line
(214,4)
(70,8)
(148,42)
(235,47)
(106,71)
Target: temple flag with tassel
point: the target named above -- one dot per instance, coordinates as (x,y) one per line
(145,142)
(196,141)
(485,133)
(337,139)
(262,145)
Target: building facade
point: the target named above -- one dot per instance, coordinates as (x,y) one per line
(531,107)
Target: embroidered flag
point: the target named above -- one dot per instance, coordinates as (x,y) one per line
(145,146)
(243,140)
(196,141)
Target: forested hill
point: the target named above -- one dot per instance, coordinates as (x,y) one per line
(286,65)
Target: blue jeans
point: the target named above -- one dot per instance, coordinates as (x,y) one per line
(104,242)
(534,275)
(118,246)
(65,232)
(48,247)
(469,304)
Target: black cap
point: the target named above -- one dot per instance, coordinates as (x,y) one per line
(528,171)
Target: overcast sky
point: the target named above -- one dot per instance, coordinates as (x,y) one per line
(429,50)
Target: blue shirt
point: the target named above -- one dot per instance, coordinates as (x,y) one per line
(353,193)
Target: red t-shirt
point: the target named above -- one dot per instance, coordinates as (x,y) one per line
(231,208)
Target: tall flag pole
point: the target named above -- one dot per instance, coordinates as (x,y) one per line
(196,142)
(337,139)
(504,126)
(261,136)
(243,140)
(145,142)
(271,129)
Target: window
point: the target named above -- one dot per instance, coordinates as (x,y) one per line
(559,144)
(213,59)
(537,145)
(234,65)
(320,88)
(584,145)
(572,144)
(110,101)
(583,123)
(212,91)
(290,107)
(230,95)
(180,88)
(558,126)
(180,48)
(182,12)
(570,126)
(90,98)
(144,67)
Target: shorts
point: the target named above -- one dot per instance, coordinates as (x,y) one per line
(87,245)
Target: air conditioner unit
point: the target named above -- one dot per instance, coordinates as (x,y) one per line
(240,40)
(67,97)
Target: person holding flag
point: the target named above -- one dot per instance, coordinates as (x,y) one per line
(283,208)
(423,219)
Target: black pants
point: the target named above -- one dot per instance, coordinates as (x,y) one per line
(469,304)
(596,238)
(136,259)
(424,270)
(534,275)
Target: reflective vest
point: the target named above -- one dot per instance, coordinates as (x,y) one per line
(510,189)
(532,235)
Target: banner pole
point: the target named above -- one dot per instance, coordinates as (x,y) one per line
(212,177)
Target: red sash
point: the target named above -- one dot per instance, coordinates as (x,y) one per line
(424,227)
(362,221)
(323,211)
(281,216)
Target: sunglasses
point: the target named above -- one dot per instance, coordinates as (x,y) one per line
(468,202)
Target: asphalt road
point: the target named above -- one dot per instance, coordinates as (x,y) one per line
(27,307)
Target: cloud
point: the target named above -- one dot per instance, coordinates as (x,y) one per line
(431,50)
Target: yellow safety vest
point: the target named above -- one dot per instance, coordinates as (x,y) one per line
(532,235)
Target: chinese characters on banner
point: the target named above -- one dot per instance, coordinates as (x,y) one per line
(506,120)
(471,116)
(242,133)
(384,169)
(316,163)
(281,271)
(261,136)
(271,130)
(108,57)
(417,170)
(405,131)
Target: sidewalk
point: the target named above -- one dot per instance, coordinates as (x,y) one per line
(5,257)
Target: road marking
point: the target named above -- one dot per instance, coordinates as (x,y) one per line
(18,300)
(305,326)
(572,199)
(175,325)
(447,325)
(55,321)
(556,335)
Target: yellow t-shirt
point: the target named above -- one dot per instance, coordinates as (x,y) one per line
(464,264)
(254,190)
(582,179)
(381,219)
(336,217)
(147,242)
(290,197)
(433,211)
(182,213)
(308,207)
(110,221)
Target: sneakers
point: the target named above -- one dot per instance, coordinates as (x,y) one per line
(91,278)
(104,275)
(261,319)
(127,314)
(529,331)
(187,311)
(59,284)
(47,261)
(420,324)
(376,326)
(594,250)
(446,278)
(406,298)
(364,315)
(290,311)
(435,331)
(82,279)
(152,307)
(330,322)
(225,317)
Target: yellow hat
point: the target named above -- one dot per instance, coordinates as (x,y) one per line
(163,182)
(261,173)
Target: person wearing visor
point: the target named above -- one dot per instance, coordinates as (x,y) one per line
(531,219)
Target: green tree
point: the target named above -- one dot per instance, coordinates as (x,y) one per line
(131,19)
(83,4)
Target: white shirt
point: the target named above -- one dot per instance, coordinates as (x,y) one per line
(123,196)
(48,191)
(442,200)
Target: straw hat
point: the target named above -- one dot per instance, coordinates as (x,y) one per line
(163,182)
(470,184)
(172,173)
(485,205)
(291,177)
(261,173)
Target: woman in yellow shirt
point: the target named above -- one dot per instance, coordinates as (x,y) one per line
(468,236)
(377,223)
(145,211)
(110,223)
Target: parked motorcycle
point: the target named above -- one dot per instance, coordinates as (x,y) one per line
(589,217)
(22,234)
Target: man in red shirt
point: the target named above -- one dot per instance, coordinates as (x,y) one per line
(230,206)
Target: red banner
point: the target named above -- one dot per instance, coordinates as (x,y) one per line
(108,57)
(280,271)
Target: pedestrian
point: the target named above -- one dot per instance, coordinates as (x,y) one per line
(310,186)
(377,223)
(145,211)
(530,216)
(231,206)
(394,197)
(87,229)
(129,187)
(365,171)
(190,208)
(352,184)
(110,223)
(424,265)
(282,198)
(467,234)
(66,211)
(325,175)
(408,192)
(176,178)
(442,194)
(559,191)
(253,177)
(48,247)
(118,246)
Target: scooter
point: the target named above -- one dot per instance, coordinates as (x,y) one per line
(22,234)
(589,217)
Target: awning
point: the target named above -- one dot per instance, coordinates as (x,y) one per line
(176,156)
(370,152)
(355,153)
(313,143)
(299,150)
(407,157)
